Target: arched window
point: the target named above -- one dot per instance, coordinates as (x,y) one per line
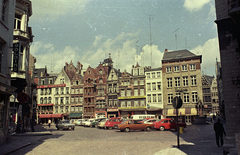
(49,100)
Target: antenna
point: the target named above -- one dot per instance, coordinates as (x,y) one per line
(150,17)
(185,42)
(137,49)
(176,36)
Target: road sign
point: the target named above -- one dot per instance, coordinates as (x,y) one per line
(177,102)
(22,97)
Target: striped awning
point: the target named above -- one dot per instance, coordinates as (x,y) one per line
(182,111)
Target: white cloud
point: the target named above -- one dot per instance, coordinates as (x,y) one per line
(209,52)
(52,9)
(195,5)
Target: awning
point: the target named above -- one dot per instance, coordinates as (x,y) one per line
(74,115)
(50,115)
(45,115)
(182,111)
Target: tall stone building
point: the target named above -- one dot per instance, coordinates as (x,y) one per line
(214,94)
(154,91)
(7,9)
(207,95)
(228,23)
(181,76)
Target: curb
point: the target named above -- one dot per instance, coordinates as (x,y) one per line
(15,149)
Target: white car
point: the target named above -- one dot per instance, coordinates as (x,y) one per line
(88,122)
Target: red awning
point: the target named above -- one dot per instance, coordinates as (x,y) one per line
(57,115)
(45,115)
(50,115)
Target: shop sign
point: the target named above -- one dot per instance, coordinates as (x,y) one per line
(109,110)
(52,86)
(2,88)
(16,49)
(100,98)
(124,108)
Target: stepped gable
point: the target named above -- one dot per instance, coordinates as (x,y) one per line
(70,70)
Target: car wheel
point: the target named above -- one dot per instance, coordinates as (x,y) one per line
(127,129)
(57,128)
(161,128)
(73,128)
(121,130)
(110,128)
(148,129)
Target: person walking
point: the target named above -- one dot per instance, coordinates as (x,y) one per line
(49,122)
(219,131)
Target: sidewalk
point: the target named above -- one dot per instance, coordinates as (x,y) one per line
(19,141)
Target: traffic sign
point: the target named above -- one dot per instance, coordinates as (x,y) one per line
(177,102)
(22,97)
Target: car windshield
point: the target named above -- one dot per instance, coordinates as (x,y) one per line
(65,122)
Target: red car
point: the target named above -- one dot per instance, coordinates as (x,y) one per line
(168,123)
(112,121)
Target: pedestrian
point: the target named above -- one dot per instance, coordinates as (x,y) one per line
(19,125)
(49,122)
(32,125)
(219,131)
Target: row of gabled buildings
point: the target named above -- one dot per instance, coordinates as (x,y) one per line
(106,92)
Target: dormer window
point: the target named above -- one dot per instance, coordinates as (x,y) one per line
(100,72)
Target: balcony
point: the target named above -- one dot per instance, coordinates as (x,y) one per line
(20,34)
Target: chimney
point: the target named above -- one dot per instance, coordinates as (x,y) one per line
(165,51)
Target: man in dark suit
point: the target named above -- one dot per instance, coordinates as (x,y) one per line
(219,131)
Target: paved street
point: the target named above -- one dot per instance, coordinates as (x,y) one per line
(196,139)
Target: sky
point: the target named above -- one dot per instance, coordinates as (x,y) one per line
(133,31)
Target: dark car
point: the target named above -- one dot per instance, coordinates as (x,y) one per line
(65,124)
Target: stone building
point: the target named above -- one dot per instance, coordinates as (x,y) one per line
(153,82)
(113,92)
(214,96)
(7,9)
(207,95)
(132,97)
(228,23)
(181,76)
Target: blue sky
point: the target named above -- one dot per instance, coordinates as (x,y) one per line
(88,30)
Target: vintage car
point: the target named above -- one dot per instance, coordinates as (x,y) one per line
(101,124)
(168,123)
(112,121)
(65,124)
(134,125)
(96,121)
(88,122)
(150,121)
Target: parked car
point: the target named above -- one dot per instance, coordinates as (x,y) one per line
(65,124)
(150,121)
(96,121)
(83,122)
(168,123)
(112,121)
(134,125)
(101,124)
(88,122)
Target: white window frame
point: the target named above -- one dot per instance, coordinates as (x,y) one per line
(169,82)
(192,66)
(194,80)
(184,68)
(194,97)
(170,98)
(169,69)
(185,81)
(177,82)
(176,68)
(186,97)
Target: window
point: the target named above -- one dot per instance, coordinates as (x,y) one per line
(114,88)
(100,72)
(135,92)
(62,81)
(176,68)
(136,103)
(122,92)
(154,86)
(100,80)
(61,100)
(61,109)
(194,97)
(45,100)
(149,98)
(148,86)
(169,82)
(186,97)
(194,80)
(72,99)
(110,88)
(49,91)
(42,81)
(141,92)
(50,81)
(192,67)
(41,100)
(62,90)
(148,75)
(184,67)
(56,100)
(81,99)
(81,90)
(67,108)
(158,74)
(142,103)
(141,81)
(159,97)
(128,92)
(72,91)
(159,85)
(185,81)
(129,104)
(49,100)
(101,91)
(135,82)
(115,102)
(125,83)
(67,100)
(177,81)
(110,102)
(153,74)
(178,94)
(169,69)
(67,90)
(41,91)
(76,99)
(123,104)
(154,98)
(56,109)
(56,90)
(170,98)
(4,6)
